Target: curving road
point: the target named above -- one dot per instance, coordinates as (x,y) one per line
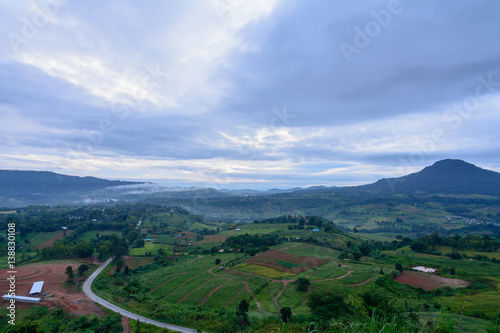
(88,291)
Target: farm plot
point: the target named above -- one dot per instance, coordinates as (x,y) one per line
(263,271)
(213,239)
(224,295)
(309,250)
(266,294)
(199,294)
(285,262)
(44,237)
(328,270)
(171,283)
(151,248)
(182,290)
(163,239)
(89,235)
(428,281)
(294,299)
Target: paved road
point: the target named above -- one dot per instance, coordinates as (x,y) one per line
(88,291)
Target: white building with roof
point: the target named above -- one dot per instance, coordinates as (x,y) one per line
(36,289)
(22,299)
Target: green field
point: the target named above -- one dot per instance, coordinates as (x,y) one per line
(222,296)
(43,237)
(203,290)
(263,271)
(152,248)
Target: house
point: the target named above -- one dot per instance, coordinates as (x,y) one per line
(22,299)
(238,229)
(315,230)
(36,289)
(221,250)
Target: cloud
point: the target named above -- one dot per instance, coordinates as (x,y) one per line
(235,93)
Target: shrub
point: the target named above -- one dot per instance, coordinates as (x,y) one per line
(302,284)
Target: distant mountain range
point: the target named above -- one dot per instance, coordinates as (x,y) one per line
(445,177)
(19,188)
(44,187)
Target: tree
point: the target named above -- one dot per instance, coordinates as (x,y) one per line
(286,313)
(120,263)
(69,273)
(365,249)
(242,312)
(243,306)
(326,304)
(398,267)
(82,269)
(302,284)
(217,261)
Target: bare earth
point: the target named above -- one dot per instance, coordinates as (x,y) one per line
(71,300)
(429,281)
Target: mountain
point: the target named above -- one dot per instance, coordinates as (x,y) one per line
(446,177)
(43,187)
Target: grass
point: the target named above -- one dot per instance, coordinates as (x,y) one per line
(222,296)
(44,237)
(163,239)
(197,296)
(328,271)
(181,291)
(486,300)
(266,294)
(167,287)
(254,229)
(262,271)
(294,299)
(309,250)
(149,247)
(467,325)
(447,249)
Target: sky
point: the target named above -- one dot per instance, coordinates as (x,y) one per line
(248,94)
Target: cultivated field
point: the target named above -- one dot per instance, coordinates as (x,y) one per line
(428,281)
(285,262)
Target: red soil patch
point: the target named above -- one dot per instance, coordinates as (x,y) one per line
(51,241)
(429,281)
(213,239)
(54,277)
(271,259)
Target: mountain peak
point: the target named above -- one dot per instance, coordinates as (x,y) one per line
(449,176)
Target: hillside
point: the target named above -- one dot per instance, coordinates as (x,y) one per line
(444,177)
(41,187)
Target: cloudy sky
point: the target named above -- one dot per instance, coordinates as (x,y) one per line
(237,93)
